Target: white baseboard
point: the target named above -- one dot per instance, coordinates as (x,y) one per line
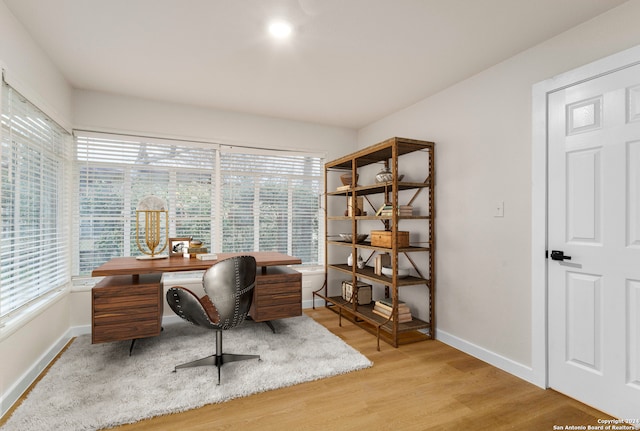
(11,396)
(309,303)
(519,370)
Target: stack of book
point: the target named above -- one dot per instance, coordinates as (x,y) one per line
(387,210)
(405,210)
(383,307)
(194,251)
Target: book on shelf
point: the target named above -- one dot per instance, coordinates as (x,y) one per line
(384,208)
(358,207)
(379,261)
(388,302)
(343,188)
(402,317)
(402,308)
(387,210)
(405,210)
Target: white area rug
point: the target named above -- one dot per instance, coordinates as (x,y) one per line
(97,386)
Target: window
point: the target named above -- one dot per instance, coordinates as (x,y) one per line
(270,203)
(34,178)
(114,173)
(233,199)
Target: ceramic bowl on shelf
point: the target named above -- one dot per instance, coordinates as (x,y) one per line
(347,179)
(388,271)
(348,237)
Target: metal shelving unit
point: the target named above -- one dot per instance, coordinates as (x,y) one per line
(389,152)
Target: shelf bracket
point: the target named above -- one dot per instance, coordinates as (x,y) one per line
(426,181)
(413,264)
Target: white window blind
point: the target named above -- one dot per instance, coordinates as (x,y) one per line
(113,173)
(35,160)
(232,199)
(270,203)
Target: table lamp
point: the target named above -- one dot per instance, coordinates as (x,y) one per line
(152,208)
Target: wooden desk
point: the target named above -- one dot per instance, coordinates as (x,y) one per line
(133,266)
(127,304)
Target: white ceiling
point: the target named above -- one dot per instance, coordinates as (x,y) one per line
(349,62)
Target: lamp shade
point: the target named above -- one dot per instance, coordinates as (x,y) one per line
(152,203)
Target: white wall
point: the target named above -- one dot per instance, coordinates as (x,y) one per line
(482,130)
(109,112)
(31,71)
(24,350)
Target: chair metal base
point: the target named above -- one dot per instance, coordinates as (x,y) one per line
(218,359)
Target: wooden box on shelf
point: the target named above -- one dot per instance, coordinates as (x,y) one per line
(364,292)
(383,238)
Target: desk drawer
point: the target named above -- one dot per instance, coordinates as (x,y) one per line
(124,331)
(126,307)
(281,311)
(278,294)
(146,297)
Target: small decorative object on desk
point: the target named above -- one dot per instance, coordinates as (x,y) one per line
(196,248)
(178,246)
(207,256)
(149,214)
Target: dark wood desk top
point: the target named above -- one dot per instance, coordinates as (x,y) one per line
(132,266)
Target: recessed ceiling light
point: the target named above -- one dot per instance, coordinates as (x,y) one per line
(280,29)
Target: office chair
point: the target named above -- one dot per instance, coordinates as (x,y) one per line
(228,285)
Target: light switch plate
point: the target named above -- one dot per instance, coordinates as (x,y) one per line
(499,209)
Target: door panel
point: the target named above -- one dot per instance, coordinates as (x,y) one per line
(583,196)
(594,217)
(584,321)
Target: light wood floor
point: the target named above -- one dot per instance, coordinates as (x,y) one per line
(421,386)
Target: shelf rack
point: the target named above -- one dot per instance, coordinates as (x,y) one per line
(390,153)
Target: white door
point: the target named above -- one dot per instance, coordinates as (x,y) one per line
(594,217)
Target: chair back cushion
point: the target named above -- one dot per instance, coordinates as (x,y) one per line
(229,284)
(187,305)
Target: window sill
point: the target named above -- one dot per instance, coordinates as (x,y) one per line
(21,317)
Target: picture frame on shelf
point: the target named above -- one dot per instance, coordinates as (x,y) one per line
(178,246)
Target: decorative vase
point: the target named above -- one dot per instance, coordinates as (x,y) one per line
(350,259)
(384,175)
(360,262)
